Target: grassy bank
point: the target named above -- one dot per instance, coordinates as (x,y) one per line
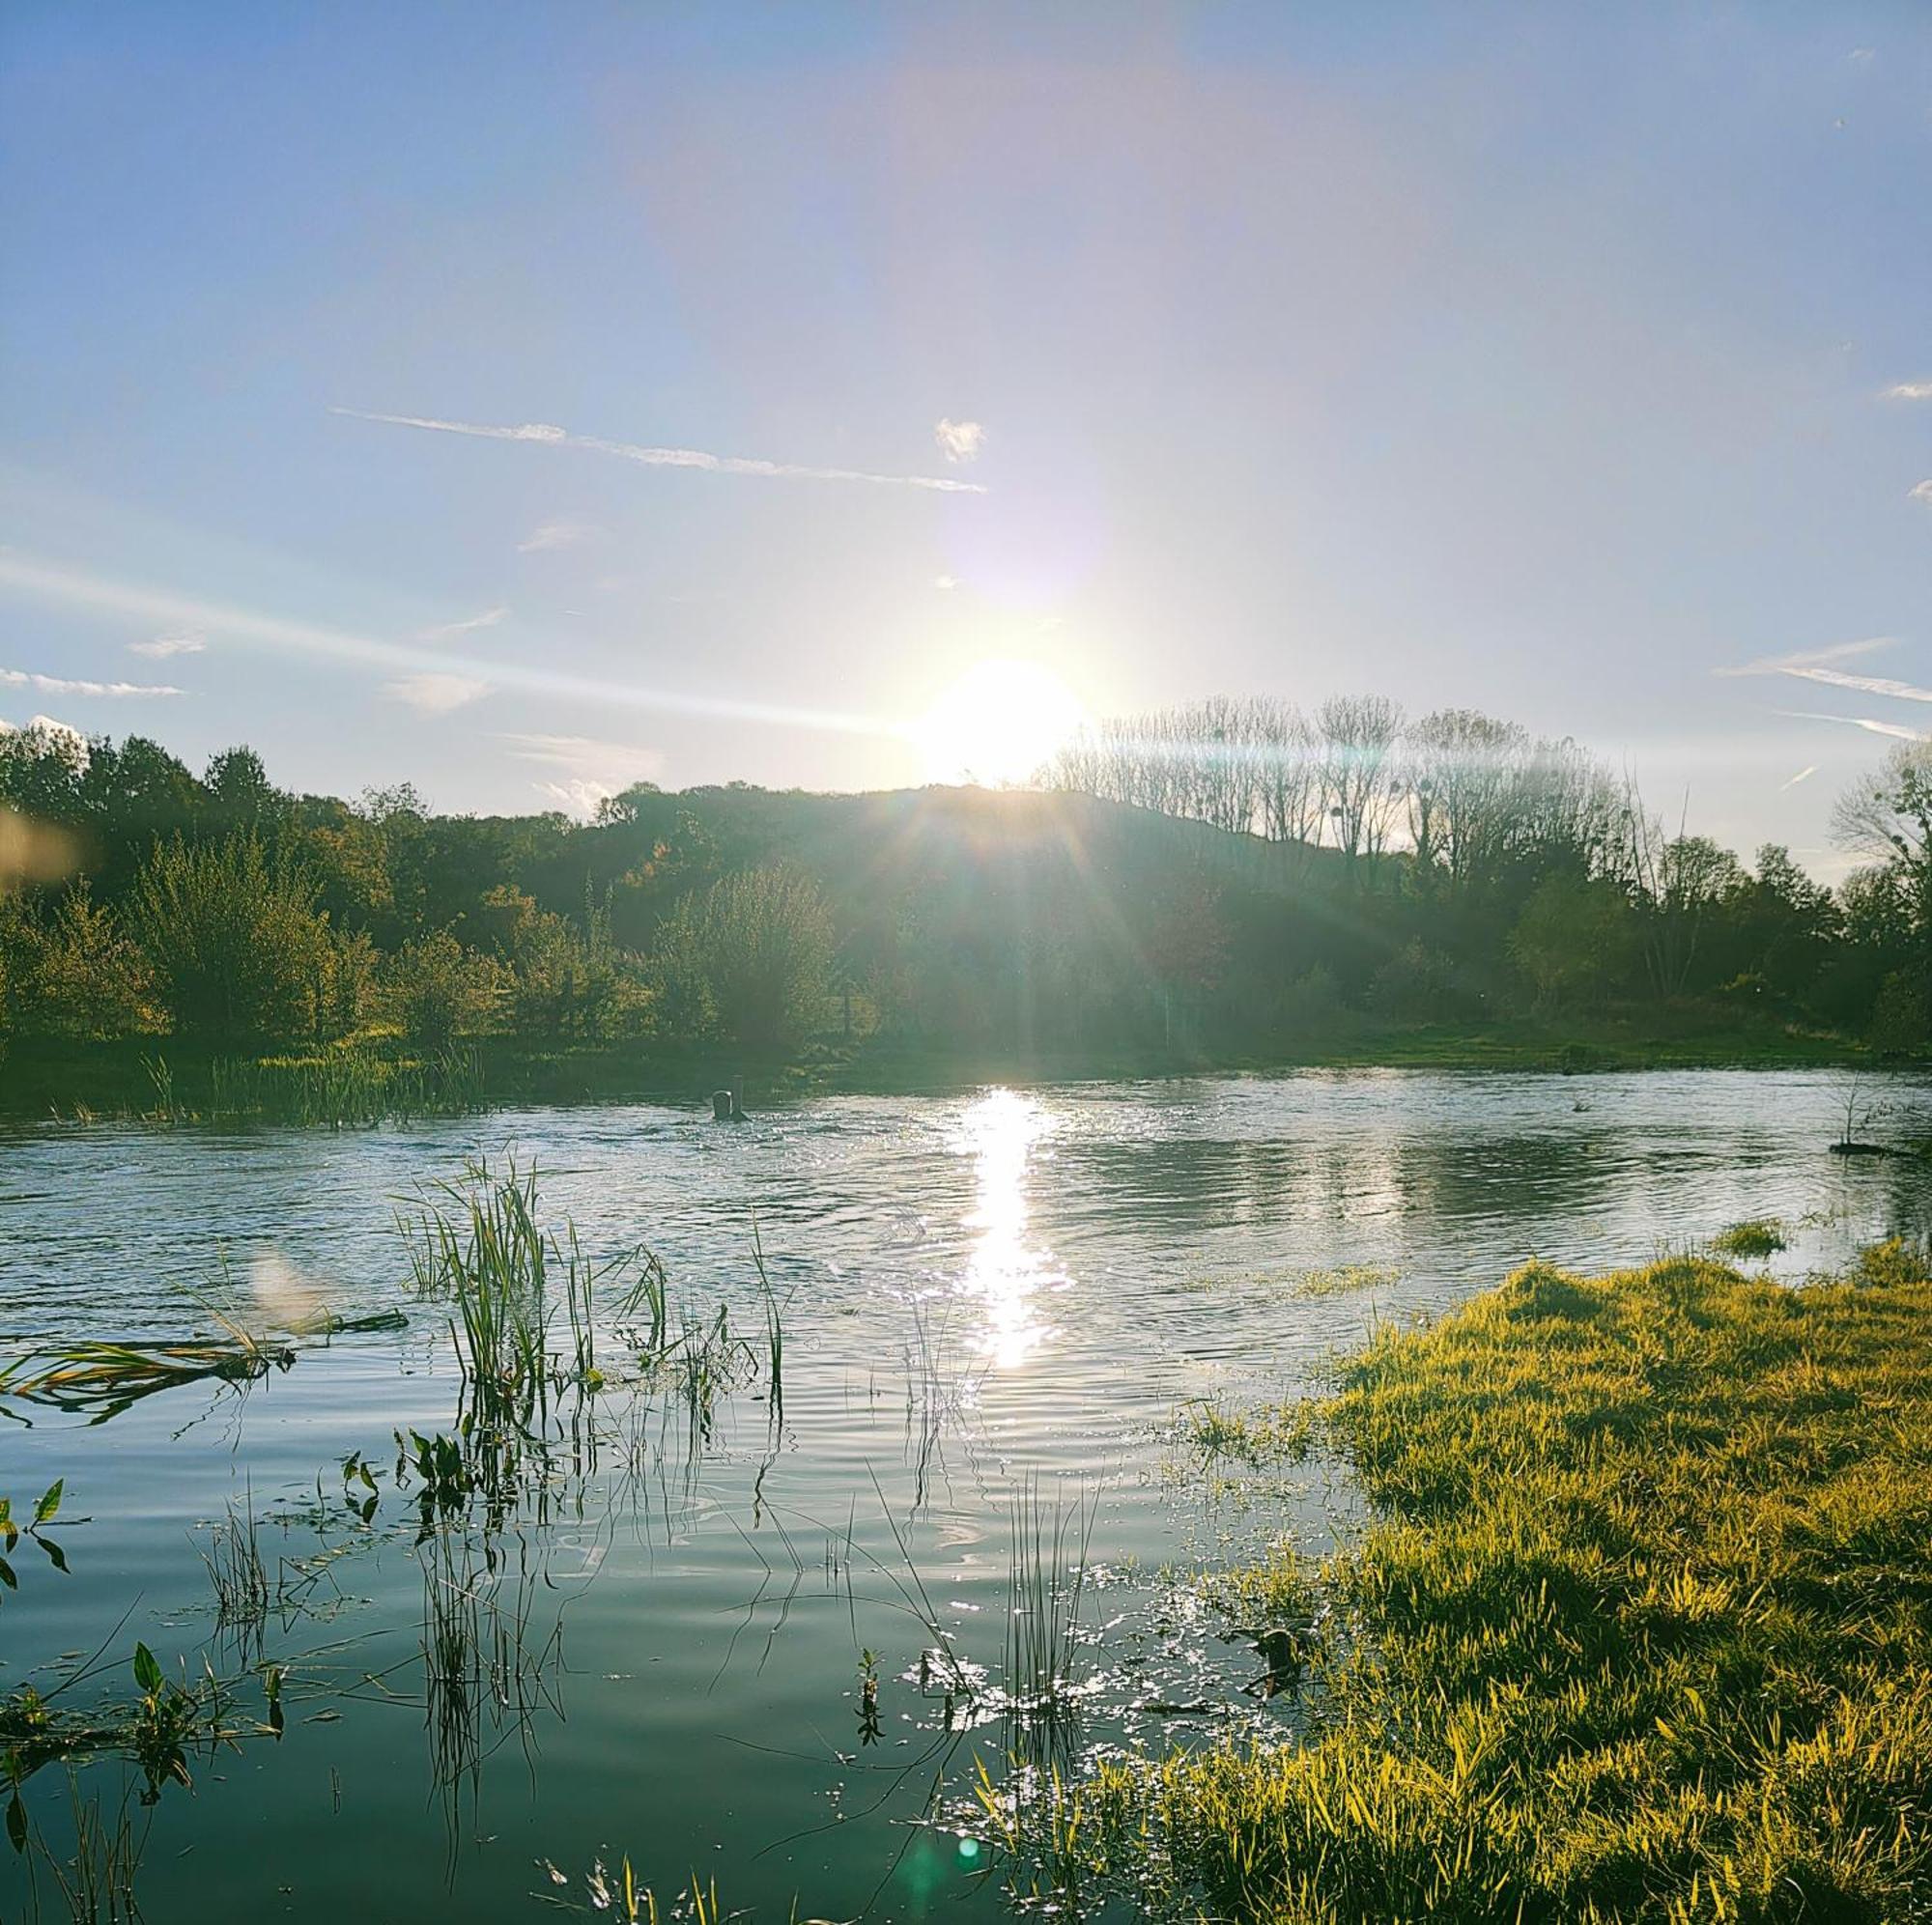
(1640,1626)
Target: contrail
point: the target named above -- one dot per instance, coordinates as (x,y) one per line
(1865,722)
(48,582)
(559,438)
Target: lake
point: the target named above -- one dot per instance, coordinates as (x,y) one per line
(647,1639)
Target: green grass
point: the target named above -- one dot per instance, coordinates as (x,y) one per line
(1640,1626)
(1757,1237)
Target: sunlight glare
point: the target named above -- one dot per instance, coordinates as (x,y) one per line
(1001,722)
(1006,1273)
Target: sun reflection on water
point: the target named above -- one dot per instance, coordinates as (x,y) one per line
(1006,1273)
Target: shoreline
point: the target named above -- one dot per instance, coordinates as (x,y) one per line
(141,1076)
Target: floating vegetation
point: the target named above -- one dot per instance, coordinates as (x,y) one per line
(1755,1238)
(168,1722)
(619,1894)
(106,1378)
(11,1532)
(1344,1279)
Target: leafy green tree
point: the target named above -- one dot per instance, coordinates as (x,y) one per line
(79,974)
(749,961)
(231,931)
(436,990)
(239,794)
(1575,941)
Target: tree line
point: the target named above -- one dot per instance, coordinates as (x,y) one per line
(1501,854)
(1232,877)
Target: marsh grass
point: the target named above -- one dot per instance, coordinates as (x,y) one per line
(238,1577)
(92,1883)
(344,1088)
(1046,1589)
(1344,1279)
(1639,1629)
(1283,1435)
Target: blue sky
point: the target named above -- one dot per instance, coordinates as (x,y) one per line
(1540,359)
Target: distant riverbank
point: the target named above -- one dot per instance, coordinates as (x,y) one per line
(40,1077)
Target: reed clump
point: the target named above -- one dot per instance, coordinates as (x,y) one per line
(1641,1627)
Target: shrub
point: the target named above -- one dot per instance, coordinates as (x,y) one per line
(231,932)
(436,990)
(748,962)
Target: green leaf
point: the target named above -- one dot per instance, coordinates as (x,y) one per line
(16,1823)
(50,1501)
(7,1577)
(147,1670)
(55,1555)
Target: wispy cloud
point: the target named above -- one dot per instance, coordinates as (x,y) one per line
(945,584)
(959,441)
(560,437)
(449,631)
(188,641)
(1802,775)
(1863,722)
(136,602)
(1920,492)
(61,684)
(1910,390)
(589,771)
(556,534)
(436,694)
(1816,666)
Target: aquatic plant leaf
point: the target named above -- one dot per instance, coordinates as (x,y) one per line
(50,1501)
(55,1555)
(16,1823)
(7,1577)
(147,1670)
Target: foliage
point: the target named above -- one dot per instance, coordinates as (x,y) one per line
(750,961)
(76,973)
(1232,879)
(1636,1631)
(231,932)
(1574,938)
(436,990)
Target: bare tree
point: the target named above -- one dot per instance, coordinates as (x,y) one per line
(1359,734)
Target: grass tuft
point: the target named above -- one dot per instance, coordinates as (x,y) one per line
(1757,1237)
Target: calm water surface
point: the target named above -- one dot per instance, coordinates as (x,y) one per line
(659,1641)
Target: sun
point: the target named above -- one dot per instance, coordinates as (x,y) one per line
(1001,722)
